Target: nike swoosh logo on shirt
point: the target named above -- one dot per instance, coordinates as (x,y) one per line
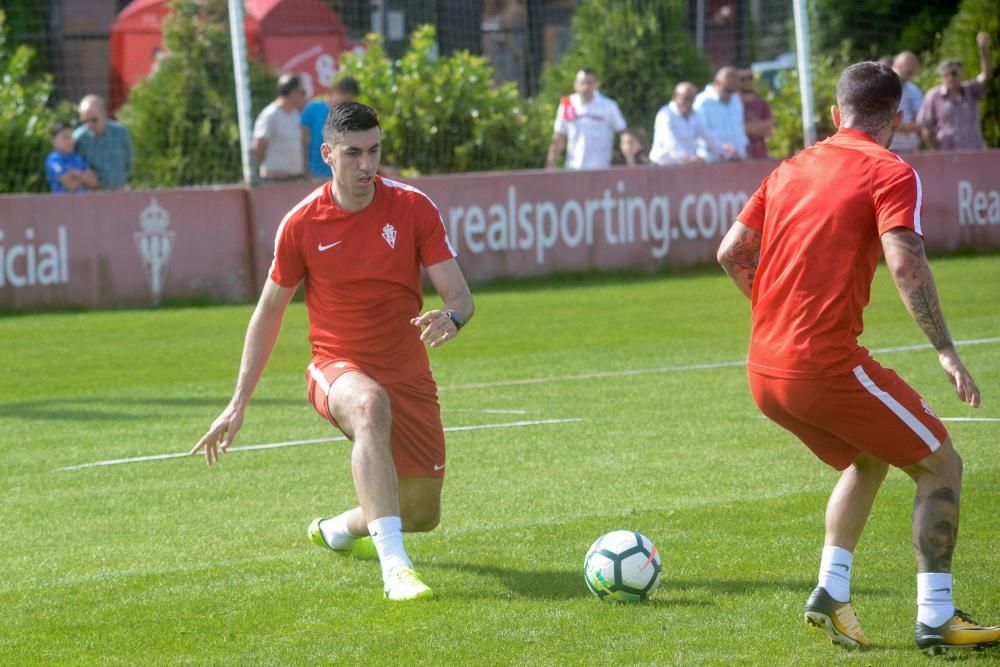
(327,247)
(438,468)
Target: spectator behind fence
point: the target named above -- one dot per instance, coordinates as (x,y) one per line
(277,134)
(314,117)
(104,144)
(722,110)
(586,124)
(678,128)
(632,144)
(65,170)
(907,137)
(950,112)
(758,121)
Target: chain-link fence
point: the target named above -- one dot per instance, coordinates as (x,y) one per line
(478,92)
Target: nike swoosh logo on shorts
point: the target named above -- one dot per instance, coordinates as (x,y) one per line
(327,247)
(439,468)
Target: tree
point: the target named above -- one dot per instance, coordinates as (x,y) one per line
(639,50)
(875,29)
(443,114)
(183,118)
(25,118)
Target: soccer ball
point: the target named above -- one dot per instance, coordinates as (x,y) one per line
(622,566)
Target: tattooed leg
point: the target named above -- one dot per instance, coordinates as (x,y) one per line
(935,507)
(935,529)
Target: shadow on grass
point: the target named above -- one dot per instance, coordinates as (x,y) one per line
(568,585)
(106,409)
(545,585)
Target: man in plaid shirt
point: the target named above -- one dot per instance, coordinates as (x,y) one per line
(950,112)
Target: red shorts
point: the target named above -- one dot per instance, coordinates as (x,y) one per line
(417,439)
(870,409)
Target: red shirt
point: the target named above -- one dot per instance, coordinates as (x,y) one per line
(821,215)
(362,275)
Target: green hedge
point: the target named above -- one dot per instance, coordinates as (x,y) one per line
(444,114)
(25,118)
(183,118)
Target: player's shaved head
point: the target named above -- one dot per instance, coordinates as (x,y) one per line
(868,95)
(348,117)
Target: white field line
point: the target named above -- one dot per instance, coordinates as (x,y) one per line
(526,381)
(296,443)
(488,411)
(680,369)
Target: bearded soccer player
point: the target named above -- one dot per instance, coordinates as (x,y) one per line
(357,244)
(804,249)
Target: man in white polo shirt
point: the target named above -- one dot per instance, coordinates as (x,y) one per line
(586,124)
(277,134)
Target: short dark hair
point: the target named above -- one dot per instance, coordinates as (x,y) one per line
(347,86)
(948,64)
(868,95)
(58,127)
(348,117)
(288,84)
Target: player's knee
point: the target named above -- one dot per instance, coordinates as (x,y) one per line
(944,463)
(871,467)
(421,519)
(948,462)
(372,406)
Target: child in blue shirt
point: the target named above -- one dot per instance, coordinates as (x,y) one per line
(65,170)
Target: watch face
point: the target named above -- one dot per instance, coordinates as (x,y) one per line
(454,317)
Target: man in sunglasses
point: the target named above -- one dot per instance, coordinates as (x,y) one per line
(950,112)
(105,144)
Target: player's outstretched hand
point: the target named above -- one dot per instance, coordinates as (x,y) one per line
(437,327)
(961,379)
(983,40)
(221,435)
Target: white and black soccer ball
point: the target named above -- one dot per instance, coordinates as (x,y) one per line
(622,566)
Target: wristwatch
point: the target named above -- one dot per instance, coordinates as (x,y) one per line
(456,319)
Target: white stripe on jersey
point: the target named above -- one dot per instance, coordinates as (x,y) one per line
(277,235)
(920,197)
(905,415)
(320,379)
(403,186)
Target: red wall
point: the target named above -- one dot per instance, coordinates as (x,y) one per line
(110,249)
(124,248)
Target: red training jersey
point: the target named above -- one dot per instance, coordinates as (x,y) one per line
(821,215)
(362,275)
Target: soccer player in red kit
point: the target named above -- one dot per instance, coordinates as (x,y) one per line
(357,244)
(805,249)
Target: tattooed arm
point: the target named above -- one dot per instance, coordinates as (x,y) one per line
(904,255)
(738,255)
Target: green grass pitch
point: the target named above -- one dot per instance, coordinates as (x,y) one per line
(168,562)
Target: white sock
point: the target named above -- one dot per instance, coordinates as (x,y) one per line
(835,573)
(387,534)
(935,605)
(336,533)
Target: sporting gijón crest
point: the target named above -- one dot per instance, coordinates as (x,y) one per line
(389,234)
